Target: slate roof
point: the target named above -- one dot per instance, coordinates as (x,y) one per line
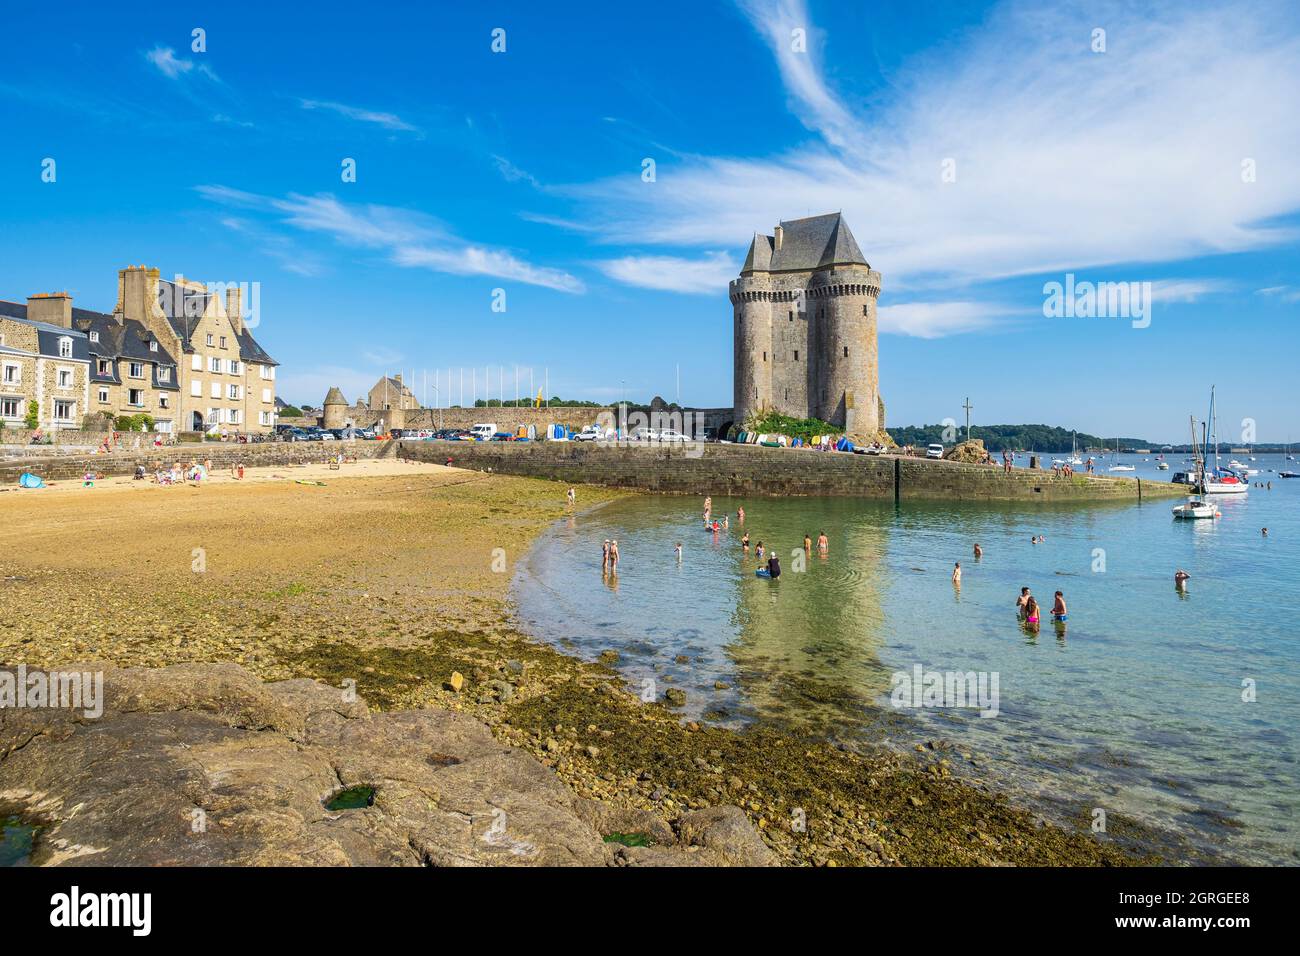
(184,307)
(48,335)
(815,242)
(335,397)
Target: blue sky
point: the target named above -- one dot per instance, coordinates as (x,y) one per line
(522,171)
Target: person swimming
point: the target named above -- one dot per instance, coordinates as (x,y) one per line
(979,552)
(1180,579)
(1059,612)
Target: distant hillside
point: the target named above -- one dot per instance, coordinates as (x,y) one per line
(1047,438)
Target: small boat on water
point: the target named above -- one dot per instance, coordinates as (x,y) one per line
(1121,468)
(1195,508)
(1162,466)
(1288,474)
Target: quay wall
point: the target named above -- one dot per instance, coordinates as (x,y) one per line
(222,456)
(722,469)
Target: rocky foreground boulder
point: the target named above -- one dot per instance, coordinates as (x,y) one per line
(203,764)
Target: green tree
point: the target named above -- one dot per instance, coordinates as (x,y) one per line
(33,415)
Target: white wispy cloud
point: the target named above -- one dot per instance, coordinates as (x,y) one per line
(408,238)
(174,67)
(513,174)
(707,275)
(1063,158)
(1187,290)
(386,120)
(932,320)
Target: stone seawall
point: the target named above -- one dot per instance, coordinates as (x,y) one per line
(748,470)
(70,467)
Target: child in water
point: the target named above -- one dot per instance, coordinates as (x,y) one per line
(759,551)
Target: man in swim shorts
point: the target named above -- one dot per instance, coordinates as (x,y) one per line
(1059,612)
(1022,601)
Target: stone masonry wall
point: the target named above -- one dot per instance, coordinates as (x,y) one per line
(748,470)
(70,467)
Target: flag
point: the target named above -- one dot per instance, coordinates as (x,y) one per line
(537,403)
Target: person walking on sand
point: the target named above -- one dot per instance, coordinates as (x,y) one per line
(1059,612)
(956,574)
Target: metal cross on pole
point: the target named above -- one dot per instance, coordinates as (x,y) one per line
(968,406)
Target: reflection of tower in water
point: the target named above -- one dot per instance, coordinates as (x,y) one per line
(807,655)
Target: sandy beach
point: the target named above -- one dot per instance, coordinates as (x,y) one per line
(395,575)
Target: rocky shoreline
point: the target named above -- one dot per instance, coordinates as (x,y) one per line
(401,596)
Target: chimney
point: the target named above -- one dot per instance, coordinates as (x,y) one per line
(137,293)
(777,235)
(398,378)
(235,308)
(53,308)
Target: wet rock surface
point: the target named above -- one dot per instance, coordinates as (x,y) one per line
(204,764)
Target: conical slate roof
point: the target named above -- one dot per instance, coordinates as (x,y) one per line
(335,397)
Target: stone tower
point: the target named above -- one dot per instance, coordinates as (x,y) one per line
(335,409)
(805,327)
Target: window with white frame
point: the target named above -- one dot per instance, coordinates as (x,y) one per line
(196,388)
(235,416)
(164,400)
(234,366)
(214,364)
(223,341)
(164,373)
(94,336)
(234,392)
(265,418)
(65,347)
(153,345)
(136,370)
(64,410)
(216,390)
(103,396)
(135,396)
(9,407)
(13,373)
(209,340)
(64,378)
(196,362)
(102,367)
(266,394)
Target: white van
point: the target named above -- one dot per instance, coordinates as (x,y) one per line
(484,431)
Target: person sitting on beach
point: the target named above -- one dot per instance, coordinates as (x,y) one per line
(773,565)
(956,574)
(1059,613)
(139,472)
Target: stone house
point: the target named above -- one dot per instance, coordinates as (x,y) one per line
(43,361)
(390,393)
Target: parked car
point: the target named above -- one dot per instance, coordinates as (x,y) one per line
(483,431)
(668,434)
(292,433)
(645,434)
(590,433)
(934,451)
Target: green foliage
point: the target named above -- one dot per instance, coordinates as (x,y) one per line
(1046,438)
(140,422)
(291,411)
(33,415)
(805,428)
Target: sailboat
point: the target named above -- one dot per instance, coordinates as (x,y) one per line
(1219,481)
(1195,506)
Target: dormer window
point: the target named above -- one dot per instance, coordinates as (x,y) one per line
(153,345)
(65,347)
(94,336)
